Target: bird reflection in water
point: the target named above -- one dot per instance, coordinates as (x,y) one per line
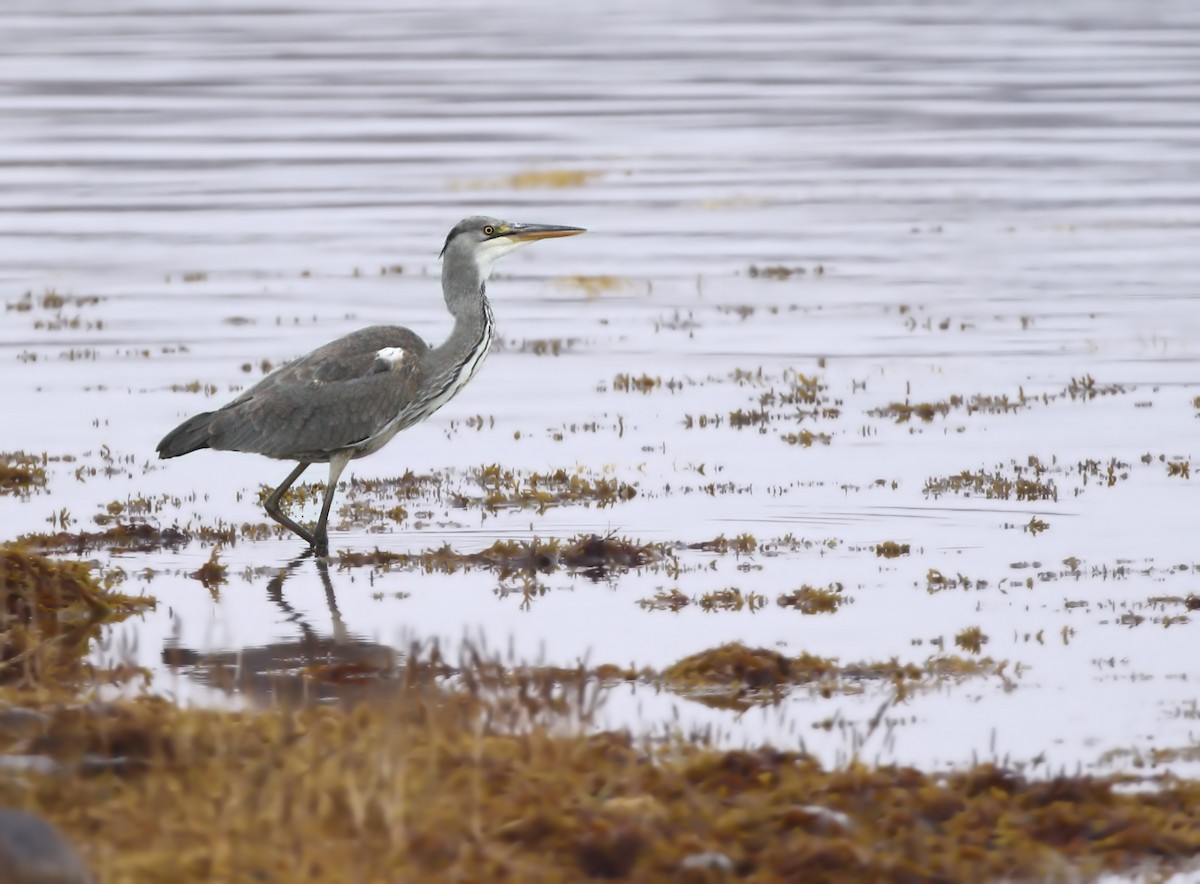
(313,668)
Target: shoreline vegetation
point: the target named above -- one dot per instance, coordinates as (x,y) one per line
(419,768)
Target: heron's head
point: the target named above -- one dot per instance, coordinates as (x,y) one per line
(482,241)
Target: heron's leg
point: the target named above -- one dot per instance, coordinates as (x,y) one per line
(340,636)
(272,504)
(337,463)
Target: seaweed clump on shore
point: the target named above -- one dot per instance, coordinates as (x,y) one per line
(485,773)
(50,610)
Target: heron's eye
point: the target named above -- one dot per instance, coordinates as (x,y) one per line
(489,230)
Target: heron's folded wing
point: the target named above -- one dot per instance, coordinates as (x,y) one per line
(335,397)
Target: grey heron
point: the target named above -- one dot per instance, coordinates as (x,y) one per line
(348,398)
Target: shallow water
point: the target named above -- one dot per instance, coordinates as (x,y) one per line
(982,201)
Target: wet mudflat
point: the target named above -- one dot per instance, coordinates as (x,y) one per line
(875,374)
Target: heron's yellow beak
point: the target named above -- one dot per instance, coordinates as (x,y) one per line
(530,232)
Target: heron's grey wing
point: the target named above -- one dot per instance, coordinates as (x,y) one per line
(333,398)
(346,358)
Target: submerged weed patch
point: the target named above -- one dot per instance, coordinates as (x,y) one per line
(736,676)
(20,473)
(135,536)
(814,600)
(507,489)
(590,553)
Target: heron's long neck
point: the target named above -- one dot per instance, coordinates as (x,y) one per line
(460,355)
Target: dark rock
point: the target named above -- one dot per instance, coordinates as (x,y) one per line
(32,851)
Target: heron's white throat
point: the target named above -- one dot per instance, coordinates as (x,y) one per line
(492,250)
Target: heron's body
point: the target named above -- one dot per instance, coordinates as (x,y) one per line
(348,398)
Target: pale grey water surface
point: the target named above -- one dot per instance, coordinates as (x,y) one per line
(984,199)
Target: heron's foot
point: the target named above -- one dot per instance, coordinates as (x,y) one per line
(320,544)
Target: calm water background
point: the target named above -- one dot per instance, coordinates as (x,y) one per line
(1003,198)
